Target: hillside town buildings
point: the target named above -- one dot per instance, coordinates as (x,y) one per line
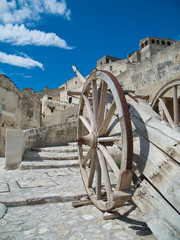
(145,71)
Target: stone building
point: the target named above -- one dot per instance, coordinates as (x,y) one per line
(144,71)
(57,105)
(157,66)
(18,109)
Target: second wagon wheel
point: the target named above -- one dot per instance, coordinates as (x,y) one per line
(105,141)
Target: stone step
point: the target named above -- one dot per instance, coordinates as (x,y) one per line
(30,155)
(30,187)
(72,144)
(58,149)
(30,165)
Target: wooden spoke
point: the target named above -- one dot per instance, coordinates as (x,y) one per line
(92,169)
(166,113)
(109,139)
(110,160)
(86,124)
(102,103)
(98,179)
(105,174)
(95,101)
(107,120)
(88,156)
(89,110)
(176,107)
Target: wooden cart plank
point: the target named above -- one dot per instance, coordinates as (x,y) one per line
(161,170)
(162,219)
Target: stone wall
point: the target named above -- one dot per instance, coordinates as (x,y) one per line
(74,84)
(51,93)
(9,95)
(56,135)
(61,116)
(29,109)
(18,109)
(106,59)
(117,67)
(147,77)
(25,104)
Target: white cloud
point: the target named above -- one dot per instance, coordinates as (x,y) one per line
(19,61)
(18,11)
(20,35)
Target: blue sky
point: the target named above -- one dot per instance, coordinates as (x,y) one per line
(41,39)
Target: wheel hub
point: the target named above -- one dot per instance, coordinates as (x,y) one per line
(90,140)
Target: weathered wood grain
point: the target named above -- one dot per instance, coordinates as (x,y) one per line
(162,219)
(159,168)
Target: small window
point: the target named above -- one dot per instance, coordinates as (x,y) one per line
(49,98)
(75,82)
(157,42)
(146,43)
(163,42)
(70,100)
(142,45)
(153,41)
(110,68)
(168,43)
(100,63)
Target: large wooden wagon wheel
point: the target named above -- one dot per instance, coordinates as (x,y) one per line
(104,126)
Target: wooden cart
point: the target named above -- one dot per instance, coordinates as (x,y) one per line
(127,140)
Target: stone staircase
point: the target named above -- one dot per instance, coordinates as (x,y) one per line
(51,157)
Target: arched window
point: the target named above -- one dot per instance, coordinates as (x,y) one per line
(142,45)
(153,41)
(168,43)
(163,42)
(146,43)
(157,42)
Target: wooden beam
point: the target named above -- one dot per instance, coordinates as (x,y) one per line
(168,116)
(176,107)
(83,80)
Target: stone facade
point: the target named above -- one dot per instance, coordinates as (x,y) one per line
(50,93)
(147,77)
(18,109)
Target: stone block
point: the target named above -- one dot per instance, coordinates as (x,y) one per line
(14,148)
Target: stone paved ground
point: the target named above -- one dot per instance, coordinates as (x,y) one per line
(56,218)
(62,221)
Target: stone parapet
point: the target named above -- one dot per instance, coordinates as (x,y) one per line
(55,135)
